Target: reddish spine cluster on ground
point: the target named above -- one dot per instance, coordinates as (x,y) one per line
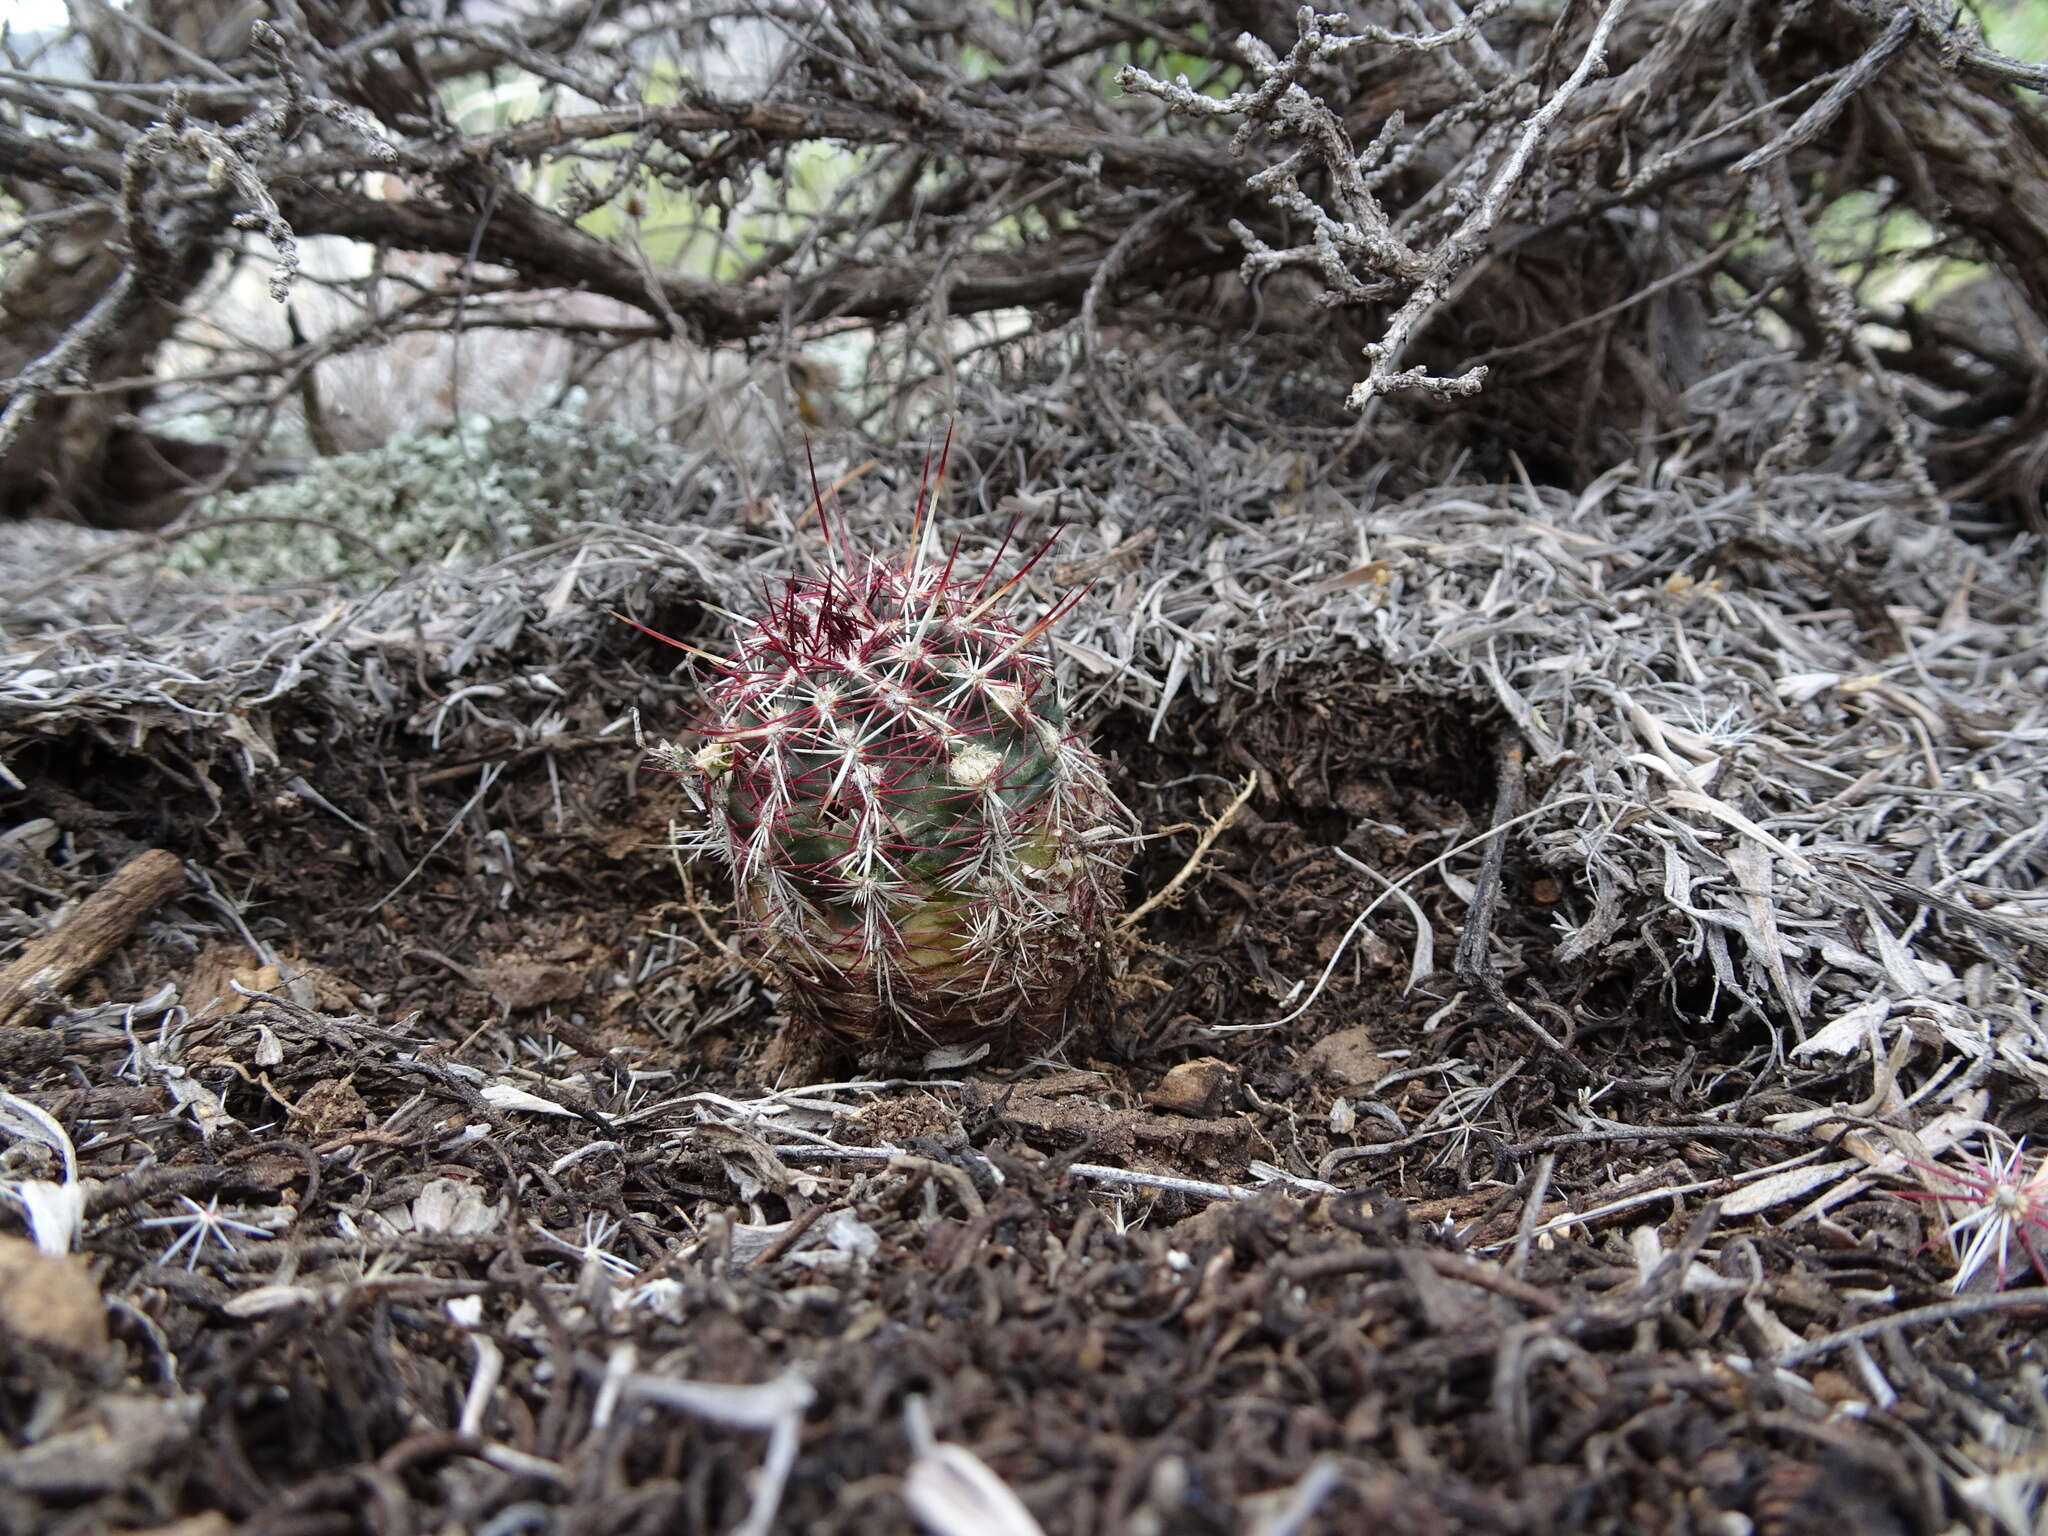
(924,854)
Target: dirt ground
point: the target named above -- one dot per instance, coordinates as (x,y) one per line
(471,1210)
(1557,513)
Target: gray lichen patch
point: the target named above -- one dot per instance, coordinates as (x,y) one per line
(477,488)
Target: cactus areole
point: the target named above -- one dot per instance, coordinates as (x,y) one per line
(923,853)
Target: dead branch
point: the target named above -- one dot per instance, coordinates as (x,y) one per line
(36,980)
(1490,193)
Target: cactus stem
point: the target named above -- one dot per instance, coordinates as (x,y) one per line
(923,852)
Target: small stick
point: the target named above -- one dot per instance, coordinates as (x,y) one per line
(553,744)
(1187,870)
(35,982)
(1940,1312)
(1532,1212)
(1471,962)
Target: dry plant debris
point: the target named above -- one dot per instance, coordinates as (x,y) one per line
(1596,815)
(475,1246)
(1512,229)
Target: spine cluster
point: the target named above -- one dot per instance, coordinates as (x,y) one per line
(924,853)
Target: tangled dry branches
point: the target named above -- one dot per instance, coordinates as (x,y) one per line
(1560,229)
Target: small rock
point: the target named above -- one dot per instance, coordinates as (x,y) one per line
(209,989)
(1348,1059)
(1203,1087)
(51,1301)
(522,984)
(331,1107)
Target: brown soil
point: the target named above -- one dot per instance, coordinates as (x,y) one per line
(1125,1359)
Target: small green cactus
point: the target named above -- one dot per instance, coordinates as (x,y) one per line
(923,853)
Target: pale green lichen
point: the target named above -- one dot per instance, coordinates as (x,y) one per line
(474,489)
